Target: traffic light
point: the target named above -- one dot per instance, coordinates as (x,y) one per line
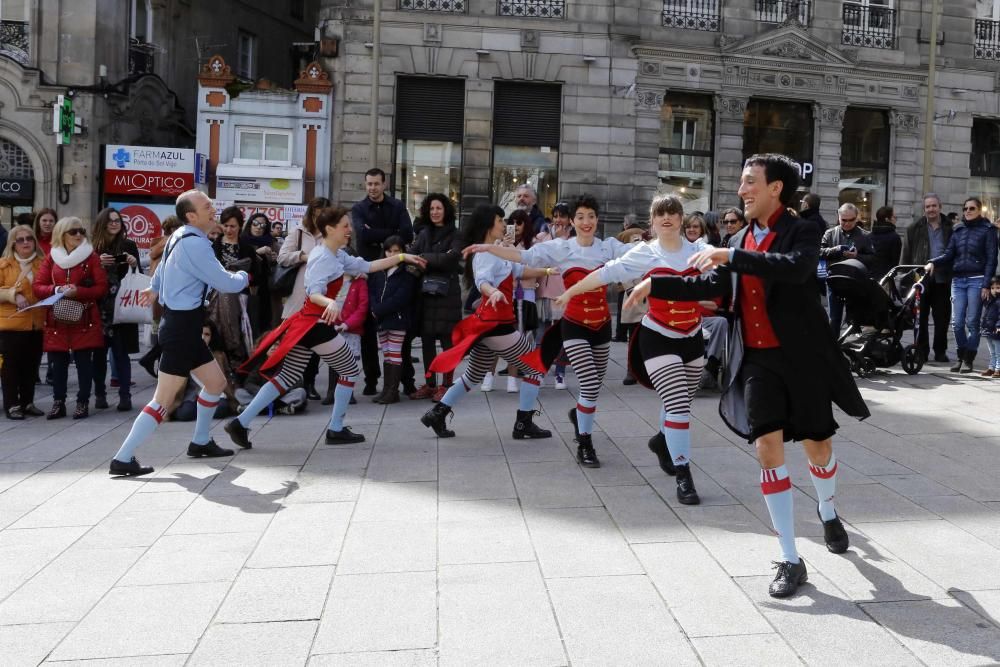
(63,120)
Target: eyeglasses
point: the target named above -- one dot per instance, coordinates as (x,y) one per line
(971,208)
(78,231)
(732,221)
(25,239)
(519,223)
(260,225)
(849,220)
(114,220)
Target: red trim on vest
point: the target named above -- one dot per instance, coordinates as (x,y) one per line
(589,309)
(823,473)
(679,316)
(158,414)
(757,330)
(678,426)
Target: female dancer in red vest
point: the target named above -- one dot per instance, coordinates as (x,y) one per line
(489,332)
(311,330)
(585,329)
(668,351)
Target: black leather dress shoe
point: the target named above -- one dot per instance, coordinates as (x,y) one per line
(585,452)
(834,535)
(658,445)
(311,393)
(124,405)
(131,469)
(343,437)
(208,450)
(369,390)
(790,576)
(238,433)
(686,493)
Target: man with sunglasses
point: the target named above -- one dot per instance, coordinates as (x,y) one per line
(845,241)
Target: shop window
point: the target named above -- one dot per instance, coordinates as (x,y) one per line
(263,147)
(771,126)
(246,54)
(864,161)
(428,139)
(527,120)
(141,23)
(985,164)
(686,150)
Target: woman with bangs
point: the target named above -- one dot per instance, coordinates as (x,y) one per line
(311,330)
(668,351)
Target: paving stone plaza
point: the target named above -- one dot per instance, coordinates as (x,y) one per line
(483,550)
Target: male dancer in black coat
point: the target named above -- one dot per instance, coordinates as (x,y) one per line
(784,370)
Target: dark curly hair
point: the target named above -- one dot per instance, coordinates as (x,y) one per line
(449,208)
(527,231)
(584,201)
(475,230)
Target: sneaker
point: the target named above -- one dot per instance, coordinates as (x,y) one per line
(343,437)
(790,576)
(988,373)
(131,469)
(208,450)
(239,434)
(487,384)
(511,385)
(560,382)
(834,534)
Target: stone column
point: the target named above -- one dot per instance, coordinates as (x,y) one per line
(730,116)
(648,121)
(905,165)
(826,177)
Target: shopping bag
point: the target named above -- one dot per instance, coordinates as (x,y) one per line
(128,309)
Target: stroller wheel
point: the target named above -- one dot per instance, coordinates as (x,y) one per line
(913,360)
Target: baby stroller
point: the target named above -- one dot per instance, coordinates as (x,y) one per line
(878,314)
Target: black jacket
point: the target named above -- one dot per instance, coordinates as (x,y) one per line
(814,216)
(788,270)
(917,246)
(888,246)
(990,324)
(390,298)
(374,223)
(835,238)
(442,248)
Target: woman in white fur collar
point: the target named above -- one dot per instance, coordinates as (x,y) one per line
(73,270)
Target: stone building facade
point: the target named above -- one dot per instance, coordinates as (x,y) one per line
(130,67)
(669,96)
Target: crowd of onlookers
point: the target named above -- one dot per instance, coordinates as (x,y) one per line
(381,315)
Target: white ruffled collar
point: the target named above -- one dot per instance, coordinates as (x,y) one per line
(66,260)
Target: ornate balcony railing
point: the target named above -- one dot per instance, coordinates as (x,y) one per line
(870,26)
(140,57)
(987,39)
(780,11)
(15,38)
(533,9)
(692,14)
(446,6)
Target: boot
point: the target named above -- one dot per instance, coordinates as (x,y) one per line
(686,493)
(970,356)
(525,428)
(585,453)
(149,360)
(390,390)
(436,418)
(311,393)
(328,399)
(959,358)
(385,384)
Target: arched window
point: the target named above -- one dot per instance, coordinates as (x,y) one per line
(14,162)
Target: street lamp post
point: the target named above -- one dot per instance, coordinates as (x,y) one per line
(376,58)
(931,84)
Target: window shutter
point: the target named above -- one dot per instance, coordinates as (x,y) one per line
(430,108)
(527,114)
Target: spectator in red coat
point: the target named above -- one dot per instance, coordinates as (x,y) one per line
(73,270)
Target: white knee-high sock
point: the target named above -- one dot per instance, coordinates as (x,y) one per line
(207,403)
(825,481)
(777,489)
